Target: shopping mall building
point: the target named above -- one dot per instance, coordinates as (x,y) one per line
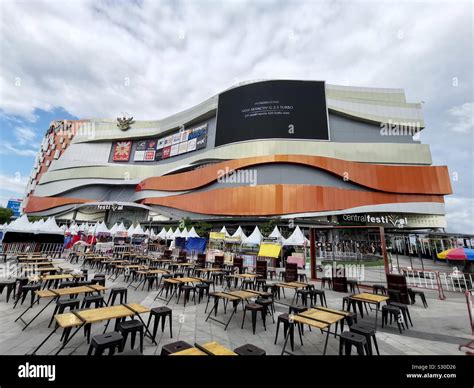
(290,149)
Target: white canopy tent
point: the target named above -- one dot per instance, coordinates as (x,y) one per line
(297,238)
(224,230)
(137,231)
(50,227)
(121,229)
(192,233)
(185,233)
(113,229)
(239,233)
(162,233)
(101,228)
(276,233)
(177,233)
(20,225)
(254,239)
(169,234)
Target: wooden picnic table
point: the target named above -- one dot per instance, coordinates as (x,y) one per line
(55,294)
(318,318)
(210,348)
(375,299)
(81,318)
(235,297)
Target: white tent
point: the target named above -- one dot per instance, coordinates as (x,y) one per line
(276,233)
(21,225)
(224,230)
(185,233)
(130,230)
(147,232)
(177,233)
(162,233)
(101,228)
(121,229)
(296,238)
(113,229)
(240,234)
(50,227)
(192,233)
(138,230)
(254,239)
(169,234)
(82,228)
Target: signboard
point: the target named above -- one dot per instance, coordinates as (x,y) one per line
(216,236)
(273,109)
(269,250)
(393,220)
(154,150)
(14,205)
(121,151)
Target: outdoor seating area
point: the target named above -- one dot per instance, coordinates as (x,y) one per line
(176,303)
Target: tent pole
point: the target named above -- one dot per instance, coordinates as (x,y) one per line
(312,254)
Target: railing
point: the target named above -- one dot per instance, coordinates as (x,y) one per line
(12,249)
(469,347)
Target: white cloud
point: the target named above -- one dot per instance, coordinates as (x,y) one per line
(25,135)
(460,214)
(15,184)
(6,148)
(462,118)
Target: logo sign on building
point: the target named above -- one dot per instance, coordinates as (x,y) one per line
(393,220)
(14,205)
(141,145)
(121,151)
(273,109)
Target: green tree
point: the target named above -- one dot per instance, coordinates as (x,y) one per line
(5,215)
(268,226)
(202,228)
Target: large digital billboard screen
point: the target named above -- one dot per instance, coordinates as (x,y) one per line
(273,109)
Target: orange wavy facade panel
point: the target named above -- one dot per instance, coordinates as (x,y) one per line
(37,204)
(392,179)
(281,199)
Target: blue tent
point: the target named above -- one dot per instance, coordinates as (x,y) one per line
(195,244)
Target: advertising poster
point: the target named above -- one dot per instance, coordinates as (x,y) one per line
(168,141)
(159,154)
(160,144)
(141,145)
(121,151)
(183,147)
(149,156)
(151,144)
(201,142)
(166,152)
(174,150)
(191,145)
(139,156)
(176,139)
(184,135)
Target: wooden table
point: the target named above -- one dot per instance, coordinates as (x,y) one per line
(318,318)
(229,296)
(55,294)
(86,317)
(207,349)
(371,299)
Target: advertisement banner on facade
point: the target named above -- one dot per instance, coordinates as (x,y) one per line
(121,151)
(149,156)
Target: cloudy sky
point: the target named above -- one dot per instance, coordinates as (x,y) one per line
(90,59)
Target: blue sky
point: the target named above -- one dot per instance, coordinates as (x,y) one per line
(90,59)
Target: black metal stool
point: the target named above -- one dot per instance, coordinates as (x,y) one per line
(285,320)
(11,287)
(202,288)
(349,339)
(352,284)
(395,314)
(421,294)
(109,341)
(379,287)
(303,293)
(62,305)
(254,309)
(267,306)
(405,312)
(369,334)
(160,313)
(175,347)
(325,280)
(249,350)
(132,327)
(97,300)
(120,291)
(187,293)
(247,283)
(314,293)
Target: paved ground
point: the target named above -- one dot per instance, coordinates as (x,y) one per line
(439,329)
